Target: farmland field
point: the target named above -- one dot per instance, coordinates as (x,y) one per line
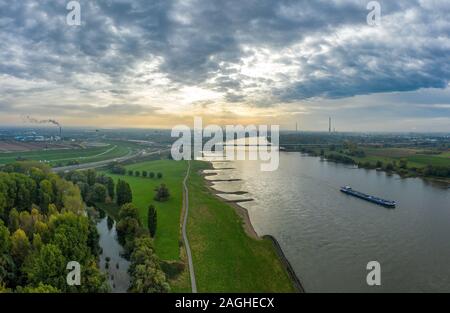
(63,156)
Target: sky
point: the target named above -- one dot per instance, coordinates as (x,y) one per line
(159,63)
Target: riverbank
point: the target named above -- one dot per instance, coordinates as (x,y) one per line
(223,231)
(250,230)
(405,165)
(296,281)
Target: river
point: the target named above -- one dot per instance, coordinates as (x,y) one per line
(111,261)
(330,237)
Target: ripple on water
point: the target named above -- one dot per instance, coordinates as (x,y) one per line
(330,237)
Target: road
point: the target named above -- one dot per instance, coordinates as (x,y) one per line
(185,239)
(97,164)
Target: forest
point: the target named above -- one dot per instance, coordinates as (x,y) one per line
(44,226)
(47,221)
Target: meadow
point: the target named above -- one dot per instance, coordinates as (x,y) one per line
(168,228)
(416,157)
(225,258)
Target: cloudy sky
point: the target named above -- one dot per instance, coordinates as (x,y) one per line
(157,63)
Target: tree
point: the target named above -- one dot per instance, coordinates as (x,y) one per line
(48,267)
(25,191)
(5,240)
(45,194)
(70,233)
(403,164)
(130,173)
(128,210)
(78,176)
(159,175)
(37,242)
(123,192)
(91,175)
(48,210)
(145,271)
(93,239)
(3,288)
(99,193)
(137,173)
(13,220)
(26,223)
(84,189)
(162,193)
(152,220)
(41,288)
(128,226)
(52,210)
(127,229)
(151,175)
(2,202)
(118,169)
(70,196)
(110,187)
(92,280)
(144,173)
(20,246)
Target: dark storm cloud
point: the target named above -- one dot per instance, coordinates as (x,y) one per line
(203,43)
(86,110)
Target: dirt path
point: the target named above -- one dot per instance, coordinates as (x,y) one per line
(185,239)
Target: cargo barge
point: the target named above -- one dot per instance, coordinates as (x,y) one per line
(386,203)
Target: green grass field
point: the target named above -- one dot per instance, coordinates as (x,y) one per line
(63,156)
(436,160)
(168,229)
(416,158)
(225,258)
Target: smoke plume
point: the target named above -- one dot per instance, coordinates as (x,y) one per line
(37,121)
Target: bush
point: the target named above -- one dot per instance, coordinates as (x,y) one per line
(439,171)
(389,167)
(340,158)
(162,193)
(118,169)
(403,164)
(172,268)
